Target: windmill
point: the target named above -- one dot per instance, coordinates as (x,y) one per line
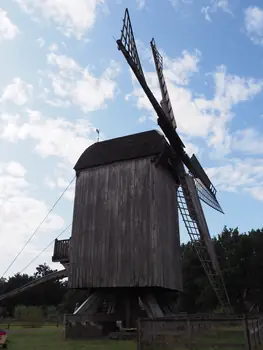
(124,250)
(194,184)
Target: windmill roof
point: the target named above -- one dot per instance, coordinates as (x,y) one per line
(139,145)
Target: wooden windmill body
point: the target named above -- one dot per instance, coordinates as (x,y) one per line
(125,224)
(125,244)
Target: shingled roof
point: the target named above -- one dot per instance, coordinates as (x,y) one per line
(139,145)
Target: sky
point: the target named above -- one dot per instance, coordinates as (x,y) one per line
(62,76)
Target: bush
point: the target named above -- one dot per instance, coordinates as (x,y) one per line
(31,316)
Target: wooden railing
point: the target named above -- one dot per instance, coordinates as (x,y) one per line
(61,250)
(201,332)
(255,327)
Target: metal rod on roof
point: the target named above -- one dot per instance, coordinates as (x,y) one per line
(98,133)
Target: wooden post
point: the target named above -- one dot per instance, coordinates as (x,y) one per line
(65,325)
(128,312)
(139,334)
(255,343)
(258,334)
(260,329)
(247,334)
(189,333)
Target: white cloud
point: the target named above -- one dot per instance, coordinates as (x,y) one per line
(174,3)
(142,119)
(41,42)
(17,92)
(20,215)
(61,183)
(256,192)
(140,4)
(54,137)
(238,175)
(177,3)
(74,84)
(72,18)
(180,69)
(254,24)
(248,141)
(191,148)
(53,47)
(214,6)
(15,169)
(58,103)
(8,30)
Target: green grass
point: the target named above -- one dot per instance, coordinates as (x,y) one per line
(47,339)
(51,338)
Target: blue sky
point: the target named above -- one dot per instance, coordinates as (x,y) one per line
(62,77)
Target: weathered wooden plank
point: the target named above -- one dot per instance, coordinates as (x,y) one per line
(125,227)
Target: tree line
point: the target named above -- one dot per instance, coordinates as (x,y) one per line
(241,260)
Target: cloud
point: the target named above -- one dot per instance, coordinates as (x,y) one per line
(77,85)
(254,24)
(179,70)
(20,214)
(41,42)
(174,3)
(239,176)
(214,6)
(140,4)
(54,137)
(198,116)
(8,30)
(61,183)
(256,192)
(15,169)
(248,141)
(53,47)
(191,148)
(72,18)
(232,89)
(17,92)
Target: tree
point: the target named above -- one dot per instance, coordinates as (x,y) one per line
(42,271)
(44,295)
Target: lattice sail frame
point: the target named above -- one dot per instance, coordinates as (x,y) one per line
(128,47)
(166,102)
(128,41)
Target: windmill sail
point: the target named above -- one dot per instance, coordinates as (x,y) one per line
(165,103)
(127,46)
(200,220)
(205,188)
(128,42)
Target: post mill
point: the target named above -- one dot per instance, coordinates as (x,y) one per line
(125,243)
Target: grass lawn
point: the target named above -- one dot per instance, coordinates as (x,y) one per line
(52,339)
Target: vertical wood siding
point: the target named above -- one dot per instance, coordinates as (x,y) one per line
(125,228)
